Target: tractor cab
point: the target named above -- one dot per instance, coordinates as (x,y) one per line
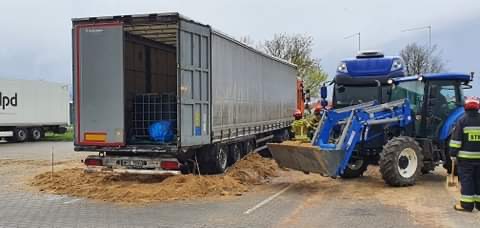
(436,101)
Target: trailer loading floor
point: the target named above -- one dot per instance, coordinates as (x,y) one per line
(309,201)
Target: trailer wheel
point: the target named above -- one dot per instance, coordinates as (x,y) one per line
(355,168)
(401,161)
(235,154)
(248,147)
(36,134)
(20,134)
(220,158)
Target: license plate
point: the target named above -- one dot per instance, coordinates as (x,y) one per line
(134,163)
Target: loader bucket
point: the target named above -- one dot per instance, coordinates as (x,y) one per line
(307,158)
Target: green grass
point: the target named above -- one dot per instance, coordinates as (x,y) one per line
(68,136)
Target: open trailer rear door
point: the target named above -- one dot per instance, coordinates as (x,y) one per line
(194,59)
(99,84)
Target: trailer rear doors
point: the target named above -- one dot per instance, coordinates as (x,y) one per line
(194,70)
(99,71)
(98,84)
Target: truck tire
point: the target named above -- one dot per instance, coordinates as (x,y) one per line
(281,135)
(219,159)
(20,134)
(401,161)
(235,154)
(36,134)
(355,168)
(248,147)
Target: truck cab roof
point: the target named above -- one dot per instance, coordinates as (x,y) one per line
(368,67)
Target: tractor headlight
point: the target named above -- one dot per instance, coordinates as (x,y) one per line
(396,65)
(390,81)
(342,68)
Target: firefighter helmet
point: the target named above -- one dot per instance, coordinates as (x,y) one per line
(297,114)
(472,104)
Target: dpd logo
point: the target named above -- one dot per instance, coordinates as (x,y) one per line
(6,101)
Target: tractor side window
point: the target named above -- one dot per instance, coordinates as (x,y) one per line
(413,90)
(449,93)
(443,100)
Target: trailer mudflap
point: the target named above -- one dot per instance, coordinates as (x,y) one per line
(307,158)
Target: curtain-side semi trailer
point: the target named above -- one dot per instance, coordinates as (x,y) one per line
(221,97)
(30,108)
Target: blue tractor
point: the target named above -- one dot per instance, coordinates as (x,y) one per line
(362,79)
(403,125)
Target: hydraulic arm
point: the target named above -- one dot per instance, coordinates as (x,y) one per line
(338,134)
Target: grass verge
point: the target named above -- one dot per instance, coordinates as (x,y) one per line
(68,136)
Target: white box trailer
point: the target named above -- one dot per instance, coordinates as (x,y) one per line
(28,109)
(222,97)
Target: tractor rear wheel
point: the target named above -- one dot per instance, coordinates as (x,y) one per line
(401,161)
(355,168)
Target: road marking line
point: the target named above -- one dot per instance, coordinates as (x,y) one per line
(71,201)
(267,200)
(52,198)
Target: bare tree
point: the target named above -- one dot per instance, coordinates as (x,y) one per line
(420,59)
(297,49)
(247,40)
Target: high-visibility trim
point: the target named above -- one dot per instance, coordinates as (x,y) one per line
(468,154)
(467,199)
(455,144)
(476,198)
(469,131)
(471,128)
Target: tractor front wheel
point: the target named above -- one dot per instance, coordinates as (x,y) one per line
(401,161)
(355,168)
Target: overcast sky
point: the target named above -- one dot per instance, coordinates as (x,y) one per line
(36,40)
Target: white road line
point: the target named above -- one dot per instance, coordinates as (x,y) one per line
(52,198)
(267,200)
(71,201)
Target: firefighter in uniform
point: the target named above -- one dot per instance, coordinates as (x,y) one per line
(465,147)
(312,122)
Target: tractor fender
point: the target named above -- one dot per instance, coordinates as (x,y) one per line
(449,123)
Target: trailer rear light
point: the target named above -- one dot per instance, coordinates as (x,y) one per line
(170,165)
(93,162)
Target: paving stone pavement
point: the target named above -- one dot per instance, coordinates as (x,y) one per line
(23,207)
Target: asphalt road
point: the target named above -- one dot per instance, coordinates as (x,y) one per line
(292,200)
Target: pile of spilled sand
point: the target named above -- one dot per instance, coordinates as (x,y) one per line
(127,188)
